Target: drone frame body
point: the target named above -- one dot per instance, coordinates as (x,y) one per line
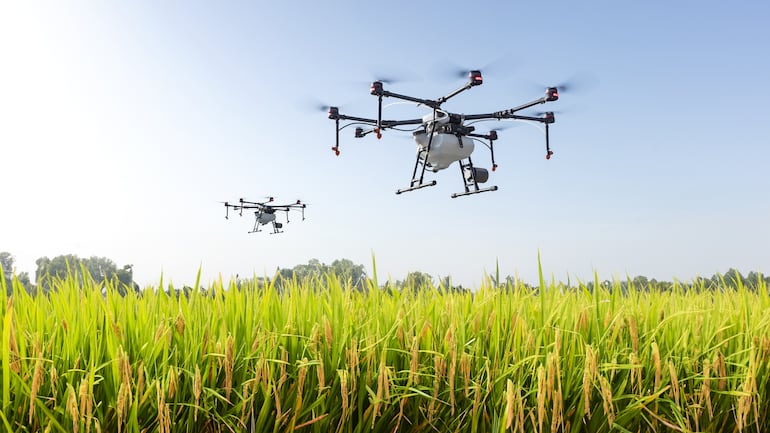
(265,212)
(443,137)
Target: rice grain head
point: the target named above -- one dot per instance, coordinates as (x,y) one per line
(179,323)
(589,377)
(72,407)
(451,376)
(122,405)
(658,365)
(720,368)
(706,389)
(37,379)
(172,382)
(13,349)
(320,374)
(675,390)
(414,361)
(343,374)
(609,409)
(197,389)
(328,332)
(229,364)
(83,396)
(465,371)
(632,329)
(509,404)
(54,378)
(140,381)
(541,397)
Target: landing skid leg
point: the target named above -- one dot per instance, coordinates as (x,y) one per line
(416,186)
(471,184)
(461,194)
(417,182)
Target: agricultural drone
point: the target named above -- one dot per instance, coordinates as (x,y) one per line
(443,137)
(264,212)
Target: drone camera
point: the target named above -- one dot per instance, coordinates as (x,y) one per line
(359,132)
(376,88)
(480,175)
(475,78)
(334,113)
(552,94)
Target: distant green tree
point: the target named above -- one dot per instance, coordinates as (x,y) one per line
(445,284)
(7,262)
(733,277)
(416,280)
(100,269)
(755,279)
(344,269)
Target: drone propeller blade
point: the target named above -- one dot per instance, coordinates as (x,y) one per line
(543,113)
(499,66)
(576,83)
(387,75)
(317,105)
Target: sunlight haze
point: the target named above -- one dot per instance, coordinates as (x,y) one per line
(123,126)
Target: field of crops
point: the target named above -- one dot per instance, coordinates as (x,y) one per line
(318,357)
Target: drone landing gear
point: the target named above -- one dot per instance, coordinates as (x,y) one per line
(475,191)
(416,184)
(472,176)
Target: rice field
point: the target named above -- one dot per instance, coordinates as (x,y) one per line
(317,357)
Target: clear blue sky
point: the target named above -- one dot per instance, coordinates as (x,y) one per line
(122,126)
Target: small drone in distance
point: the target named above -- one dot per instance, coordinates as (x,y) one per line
(264,212)
(443,137)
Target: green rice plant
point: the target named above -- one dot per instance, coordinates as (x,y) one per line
(318,356)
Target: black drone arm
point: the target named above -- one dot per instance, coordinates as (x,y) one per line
(383,123)
(474,79)
(298,205)
(551,94)
(378,125)
(394,123)
(238,207)
(547,118)
(427,102)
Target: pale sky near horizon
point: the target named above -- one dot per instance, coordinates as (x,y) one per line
(124,125)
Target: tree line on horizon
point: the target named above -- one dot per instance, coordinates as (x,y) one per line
(102,269)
